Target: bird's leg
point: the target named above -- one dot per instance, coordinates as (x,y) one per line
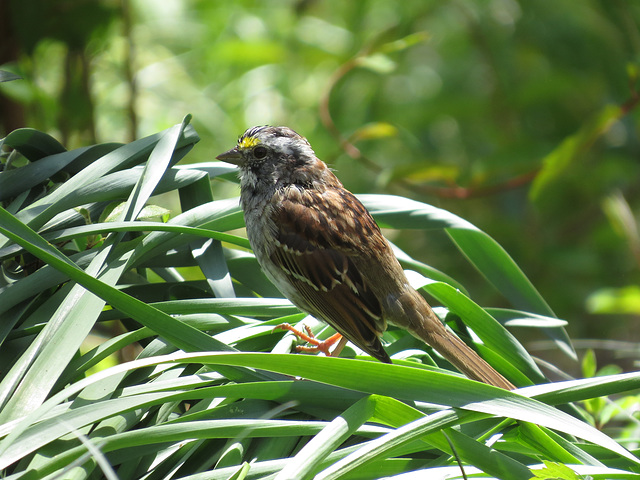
(318,345)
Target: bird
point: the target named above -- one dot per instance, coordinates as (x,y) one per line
(323,250)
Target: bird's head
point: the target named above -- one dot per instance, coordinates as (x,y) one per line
(274,155)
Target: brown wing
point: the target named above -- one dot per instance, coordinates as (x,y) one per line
(317,256)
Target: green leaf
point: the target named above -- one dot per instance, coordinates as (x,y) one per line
(493,335)
(589,363)
(557,163)
(33,144)
(8,76)
(623,300)
(377,62)
(41,365)
(555,471)
(18,180)
(147,213)
(419,384)
(374,131)
(519,318)
(405,42)
(153,171)
(309,458)
(484,253)
(92,184)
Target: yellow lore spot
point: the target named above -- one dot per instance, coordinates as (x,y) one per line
(248,142)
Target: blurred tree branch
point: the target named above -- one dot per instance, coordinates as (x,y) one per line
(453,191)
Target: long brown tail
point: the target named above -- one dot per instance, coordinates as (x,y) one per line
(466,360)
(424,324)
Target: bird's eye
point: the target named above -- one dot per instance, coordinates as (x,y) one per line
(260,152)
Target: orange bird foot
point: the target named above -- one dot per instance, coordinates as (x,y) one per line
(315,344)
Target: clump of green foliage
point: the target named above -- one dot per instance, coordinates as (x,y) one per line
(204,389)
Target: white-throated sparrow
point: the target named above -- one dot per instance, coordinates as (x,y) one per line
(320,246)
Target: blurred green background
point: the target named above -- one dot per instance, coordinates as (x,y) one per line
(520,116)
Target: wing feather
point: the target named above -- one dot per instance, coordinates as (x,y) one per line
(314,252)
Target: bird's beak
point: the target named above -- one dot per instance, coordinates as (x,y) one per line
(232,156)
